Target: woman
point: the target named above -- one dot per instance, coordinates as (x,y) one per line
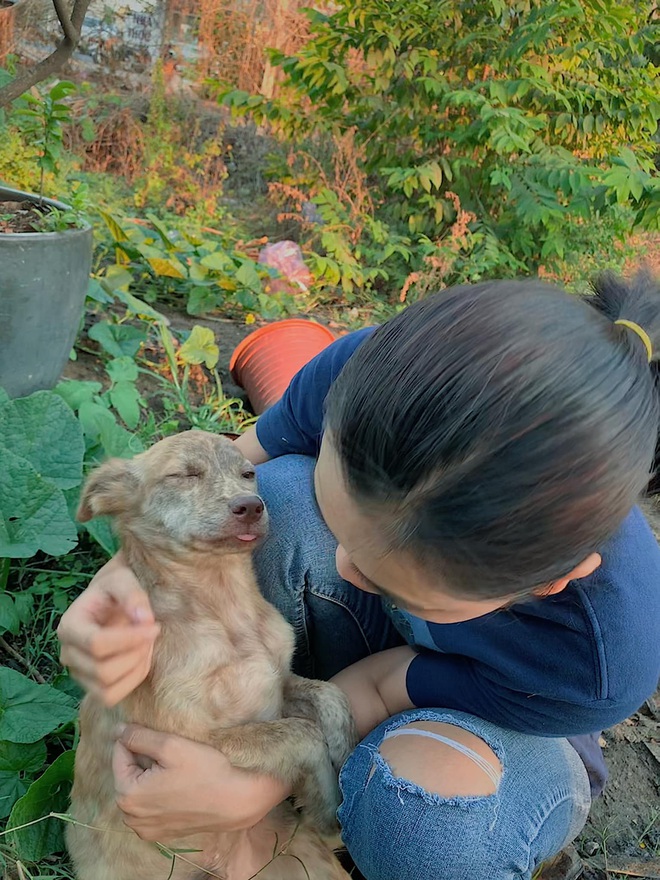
(472,468)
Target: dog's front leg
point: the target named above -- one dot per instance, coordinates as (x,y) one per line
(293,750)
(328,706)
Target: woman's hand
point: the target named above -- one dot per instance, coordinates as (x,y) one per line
(190,788)
(108,634)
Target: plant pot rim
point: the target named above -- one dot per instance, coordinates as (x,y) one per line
(271,328)
(8,193)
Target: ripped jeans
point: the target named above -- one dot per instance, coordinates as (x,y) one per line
(393,828)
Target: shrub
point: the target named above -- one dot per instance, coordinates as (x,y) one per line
(526,116)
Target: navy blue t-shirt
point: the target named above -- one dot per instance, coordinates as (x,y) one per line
(567,665)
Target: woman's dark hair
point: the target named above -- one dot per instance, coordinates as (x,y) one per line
(501,432)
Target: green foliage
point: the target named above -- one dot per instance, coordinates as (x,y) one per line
(527,117)
(33,508)
(205,271)
(48,794)
(30,715)
(43,116)
(31,711)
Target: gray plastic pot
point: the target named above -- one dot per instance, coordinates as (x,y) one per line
(44,278)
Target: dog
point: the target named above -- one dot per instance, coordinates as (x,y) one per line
(189,519)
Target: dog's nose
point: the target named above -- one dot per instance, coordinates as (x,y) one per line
(247,508)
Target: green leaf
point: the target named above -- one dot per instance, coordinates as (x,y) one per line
(117,278)
(30,424)
(117,441)
(75,393)
(247,275)
(9,618)
(62,89)
(49,793)
(97,293)
(201,300)
(26,757)
(123,369)
(139,307)
(162,231)
(24,604)
(125,398)
(29,711)
(33,512)
(115,227)
(101,530)
(200,348)
(218,261)
(118,340)
(64,683)
(93,417)
(12,786)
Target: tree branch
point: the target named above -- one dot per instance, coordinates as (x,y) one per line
(63,15)
(30,76)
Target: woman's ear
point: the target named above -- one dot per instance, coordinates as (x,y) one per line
(583,570)
(109,490)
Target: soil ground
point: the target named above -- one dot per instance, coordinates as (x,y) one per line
(19,217)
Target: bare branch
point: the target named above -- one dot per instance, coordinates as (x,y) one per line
(30,76)
(63,15)
(34,672)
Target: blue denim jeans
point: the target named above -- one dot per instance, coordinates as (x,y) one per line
(393,828)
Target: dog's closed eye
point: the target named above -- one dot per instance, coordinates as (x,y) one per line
(188,474)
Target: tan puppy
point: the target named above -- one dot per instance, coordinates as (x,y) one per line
(189,519)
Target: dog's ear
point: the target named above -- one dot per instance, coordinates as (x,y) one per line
(109,490)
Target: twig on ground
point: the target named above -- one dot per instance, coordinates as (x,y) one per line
(36,675)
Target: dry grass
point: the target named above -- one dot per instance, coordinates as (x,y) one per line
(234,35)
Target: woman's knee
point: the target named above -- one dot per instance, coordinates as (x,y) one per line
(417,806)
(442,759)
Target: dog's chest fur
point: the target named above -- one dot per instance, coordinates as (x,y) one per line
(221,657)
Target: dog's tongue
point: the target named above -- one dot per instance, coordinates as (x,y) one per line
(246,537)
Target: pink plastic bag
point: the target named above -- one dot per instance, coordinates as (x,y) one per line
(287,258)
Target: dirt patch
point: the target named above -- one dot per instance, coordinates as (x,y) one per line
(647,252)
(624,826)
(20,217)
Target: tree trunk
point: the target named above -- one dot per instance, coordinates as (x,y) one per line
(30,76)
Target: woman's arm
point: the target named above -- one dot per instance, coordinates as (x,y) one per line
(376,687)
(251,448)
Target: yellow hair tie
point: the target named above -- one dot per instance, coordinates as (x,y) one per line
(641,332)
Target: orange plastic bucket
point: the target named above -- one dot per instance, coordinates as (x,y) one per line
(268,359)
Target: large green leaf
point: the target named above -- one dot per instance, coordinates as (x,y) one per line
(119,340)
(125,398)
(16,760)
(28,711)
(33,511)
(12,786)
(49,793)
(200,348)
(28,757)
(42,429)
(76,393)
(100,529)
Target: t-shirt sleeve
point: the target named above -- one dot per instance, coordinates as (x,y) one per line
(294,425)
